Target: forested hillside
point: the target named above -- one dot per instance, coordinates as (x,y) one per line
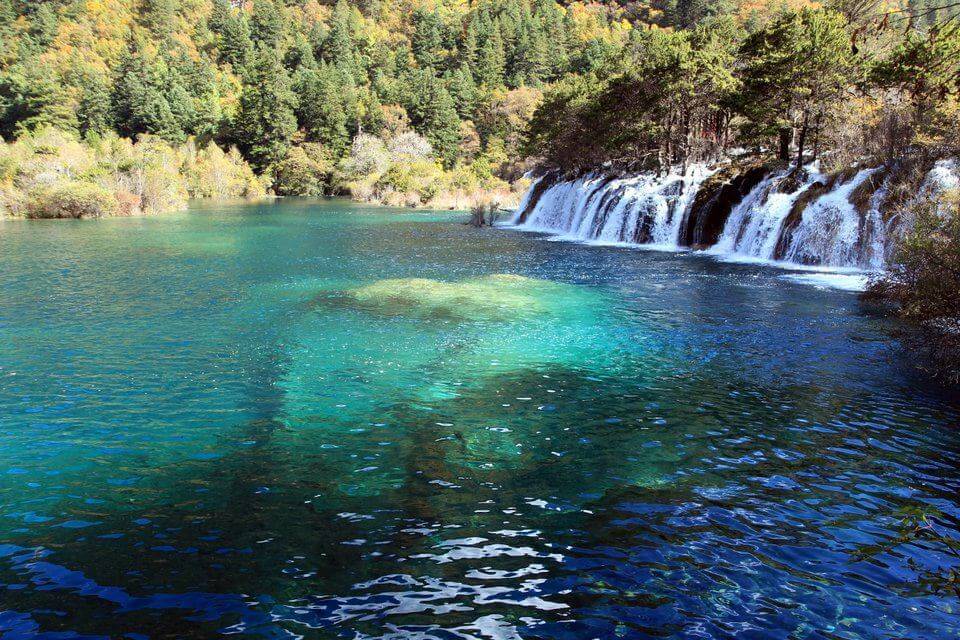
(853,82)
(427,96)
(404,101)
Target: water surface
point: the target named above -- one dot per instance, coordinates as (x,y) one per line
(240,420)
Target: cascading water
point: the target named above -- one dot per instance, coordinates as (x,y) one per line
(642,210)
(808,220)
(826,229)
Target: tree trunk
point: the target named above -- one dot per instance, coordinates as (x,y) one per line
(816,137)
(785,135)
(801,140)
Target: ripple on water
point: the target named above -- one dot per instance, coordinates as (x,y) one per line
(328,421)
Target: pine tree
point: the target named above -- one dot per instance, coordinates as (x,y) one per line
(795,69)
(32,96)
(321,111)
(490,67)
(434,114)
(339,48)
(158,17)
(140,97)
(266,120)
(469,49)
(267,23)
(426,42)
(235,44)
(93,113)
(463,90)
(44,24)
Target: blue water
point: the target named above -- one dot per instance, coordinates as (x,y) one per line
(322,420)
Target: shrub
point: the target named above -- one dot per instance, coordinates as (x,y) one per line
(923,279)
(409,146)
(304,172)
(418,181)
(214,173)
(368,160)
(73,200)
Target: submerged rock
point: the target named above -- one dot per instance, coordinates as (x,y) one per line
(492,297)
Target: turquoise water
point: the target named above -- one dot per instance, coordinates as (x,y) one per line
(322,420)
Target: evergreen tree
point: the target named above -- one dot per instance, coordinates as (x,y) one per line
(234,43)
(93,113)
(469,49)
(463,90)
(795,69)
(321,111)
(339,48)
(158,17)
(44,24)
(151,95)
(32,96)
(266,121)
(300,54)
(267,23)
(8,15)
(434,115)
(490,67)
(426,42)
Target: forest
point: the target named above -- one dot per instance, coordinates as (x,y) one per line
(449,102)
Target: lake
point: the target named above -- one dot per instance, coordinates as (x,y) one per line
(322,420)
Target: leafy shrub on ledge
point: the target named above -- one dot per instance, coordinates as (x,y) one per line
(923,279)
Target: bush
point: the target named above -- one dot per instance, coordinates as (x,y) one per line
(216,174)
(49,174)
(417,182)
(923,279)
(304,172)
(73,200)
(368,160)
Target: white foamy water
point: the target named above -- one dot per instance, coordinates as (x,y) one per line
(830,235)
(639,210)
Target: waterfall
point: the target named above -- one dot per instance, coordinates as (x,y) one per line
(644,209)
(804,219)
(814,223)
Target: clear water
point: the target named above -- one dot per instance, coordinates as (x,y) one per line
(207,429)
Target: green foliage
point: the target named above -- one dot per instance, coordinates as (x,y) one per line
(270,75)
(923,278)
(322,108)
(50,173)
(266,121)
(158,16)
(72,200)
(794,70)
(32,97)
(94,115)
(213,173)
(434,114)
(306,171)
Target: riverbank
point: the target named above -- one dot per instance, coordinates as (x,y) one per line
(51,174)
